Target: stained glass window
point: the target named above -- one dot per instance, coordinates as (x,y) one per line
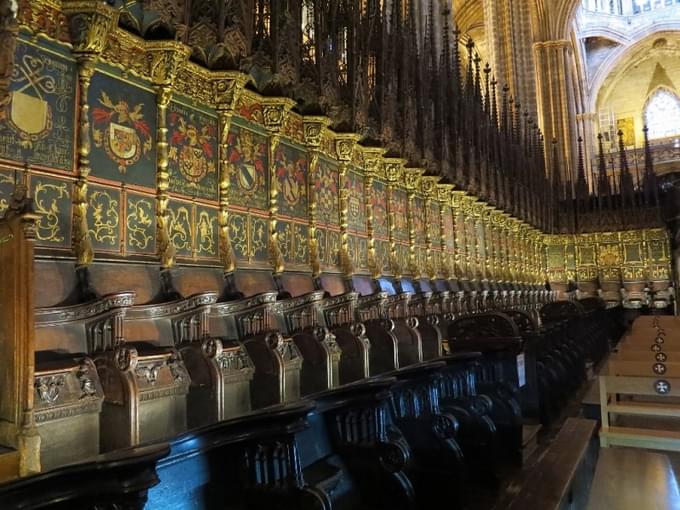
(662,114)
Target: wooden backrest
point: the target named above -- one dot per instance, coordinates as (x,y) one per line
(334,284)
(253,282)
(297,284)
(491,325)
(85,328)
(363,285)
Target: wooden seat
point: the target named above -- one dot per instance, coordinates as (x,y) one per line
(555,480)
(631,479)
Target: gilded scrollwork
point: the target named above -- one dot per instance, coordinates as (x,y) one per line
(106,217)
(47,197)
(139,223)
(205,231)
(180,228)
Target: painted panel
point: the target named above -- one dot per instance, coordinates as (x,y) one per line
(6,188)
(403,255)
(52,201)
(180,227)
(333,248)
(103,216)
(379,203)
(419,219)
(382,254)
(248,163)
(361,253)
(123,120)
(356,213)
(300,244)
(434,223)
(37,125)
(285,231)
(326,187)
(140,223)
(321,245)
(206,236)
(449,229)
(259,237)
(399,214)
(193,152)
(291,175)
(238,234)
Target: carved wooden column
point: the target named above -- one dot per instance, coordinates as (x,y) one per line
(411,181)
(344,150)
(313,128)
(165,57)
(91,23)
(489,244)
(428,185)
(394,172)
(372,168)
(227,88)
(444,196)
(275,110)
(460,254)
(9,31)
(17,348)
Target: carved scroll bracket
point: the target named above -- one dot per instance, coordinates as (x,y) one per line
(274,113)
(227,88)
(313,129)
(344,150)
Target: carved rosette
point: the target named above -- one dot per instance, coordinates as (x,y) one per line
(313,129)
(165,59)
(90,23)
(274,112)
(227,88)
(344,150)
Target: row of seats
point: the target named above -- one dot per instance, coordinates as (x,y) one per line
(407,398)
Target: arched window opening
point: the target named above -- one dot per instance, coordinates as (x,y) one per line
(662,114)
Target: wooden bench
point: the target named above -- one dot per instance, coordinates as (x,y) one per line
(641,381)
(561,478)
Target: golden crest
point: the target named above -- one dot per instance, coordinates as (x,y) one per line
(30,116)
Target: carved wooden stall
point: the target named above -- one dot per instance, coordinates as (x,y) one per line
(283,232)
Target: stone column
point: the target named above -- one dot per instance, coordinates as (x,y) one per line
(555,97)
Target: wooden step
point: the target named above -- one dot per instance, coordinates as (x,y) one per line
(645,408)
(529,440)
(640,438)
(9,464)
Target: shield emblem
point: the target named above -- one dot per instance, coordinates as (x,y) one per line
(30,116)
(123,141)
(354,206)
(192,164)
(291,190)
(247,177)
